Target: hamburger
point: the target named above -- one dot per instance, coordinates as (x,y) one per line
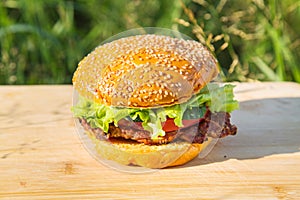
(150,100)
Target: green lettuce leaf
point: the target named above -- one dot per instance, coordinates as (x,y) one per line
(217,98)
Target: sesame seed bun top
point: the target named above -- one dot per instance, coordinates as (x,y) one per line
(145,71)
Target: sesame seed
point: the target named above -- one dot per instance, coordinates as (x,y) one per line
(129,89)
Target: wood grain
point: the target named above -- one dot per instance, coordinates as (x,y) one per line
(41,156)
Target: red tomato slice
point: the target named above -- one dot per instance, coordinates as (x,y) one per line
(169,124)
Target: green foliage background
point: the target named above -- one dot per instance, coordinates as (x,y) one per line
(42,41)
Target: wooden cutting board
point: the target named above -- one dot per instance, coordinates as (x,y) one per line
(42,157)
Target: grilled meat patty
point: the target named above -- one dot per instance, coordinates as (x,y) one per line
(215,125)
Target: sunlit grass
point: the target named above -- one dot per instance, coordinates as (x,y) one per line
(42,41)
(252,39)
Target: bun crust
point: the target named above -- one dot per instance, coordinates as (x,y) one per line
(127,152)
(145,71)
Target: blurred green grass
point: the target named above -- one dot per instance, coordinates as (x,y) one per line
(42,41)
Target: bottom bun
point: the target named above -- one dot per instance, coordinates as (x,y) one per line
(129,152)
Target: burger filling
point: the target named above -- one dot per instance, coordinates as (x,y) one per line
(206,114)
